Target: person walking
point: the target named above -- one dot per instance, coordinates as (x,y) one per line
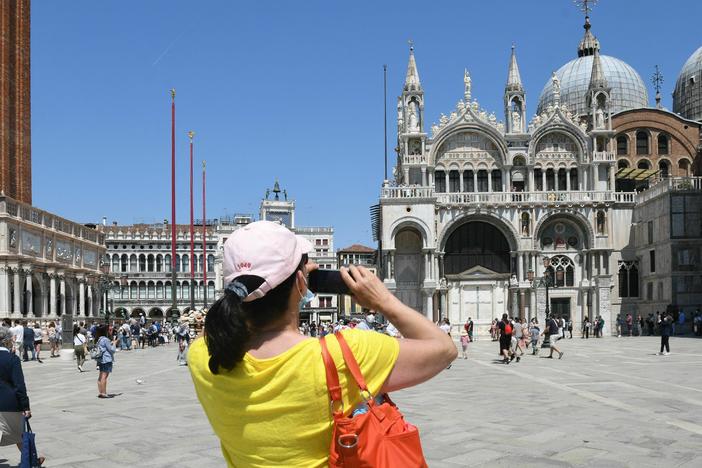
(54,338)
(14,402)
(517,338)
(80,345)
(619,325)
(469,328)
(18,335)
(446,328)
(552,328)
(534,332)
(504,327)
(629,324)
(586,328)
(106,359)
(465,339)
(262,385)
(28,343)
(666,327)
(493,330)
(38,339)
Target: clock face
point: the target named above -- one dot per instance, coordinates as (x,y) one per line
(283,217)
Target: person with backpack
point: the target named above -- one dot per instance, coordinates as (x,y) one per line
(504,327)
(263,385)
(104,354)
(80,344)
(518,334)
(552,330)
(534,332)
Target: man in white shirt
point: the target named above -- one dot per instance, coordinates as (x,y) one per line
(17,334)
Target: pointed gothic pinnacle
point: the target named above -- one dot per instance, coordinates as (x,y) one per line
(412,79)
(191,134)
(514,80)
(597,78)
(172,93)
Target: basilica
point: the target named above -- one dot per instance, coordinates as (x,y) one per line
(530,217)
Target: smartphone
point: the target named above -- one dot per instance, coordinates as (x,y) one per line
(327,281)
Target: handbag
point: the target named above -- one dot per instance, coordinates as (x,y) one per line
(378,438)
(30,457)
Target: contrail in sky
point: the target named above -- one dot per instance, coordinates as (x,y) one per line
(165,51)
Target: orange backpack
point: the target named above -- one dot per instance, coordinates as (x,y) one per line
(380,438)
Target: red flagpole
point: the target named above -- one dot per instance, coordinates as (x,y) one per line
(204,235)
(191,134)
(173,201)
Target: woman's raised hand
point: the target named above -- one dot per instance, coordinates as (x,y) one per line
(368,290)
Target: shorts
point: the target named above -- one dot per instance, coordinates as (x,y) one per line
(505,342)
(552,341)
(105,367)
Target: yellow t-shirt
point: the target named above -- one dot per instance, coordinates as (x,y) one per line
(276,412)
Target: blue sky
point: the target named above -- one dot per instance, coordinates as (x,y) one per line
(290,89)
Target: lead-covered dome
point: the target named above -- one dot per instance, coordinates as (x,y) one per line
(687,97)
(628,89)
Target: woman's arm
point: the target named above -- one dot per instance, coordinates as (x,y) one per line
(425,350)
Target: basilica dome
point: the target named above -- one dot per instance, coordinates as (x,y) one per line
(628,89)
(687,97)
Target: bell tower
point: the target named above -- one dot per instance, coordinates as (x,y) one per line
(411,139)
(15,111)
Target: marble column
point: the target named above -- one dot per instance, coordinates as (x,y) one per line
(446,178)
(428,309)
(508,181)
(89,311)
(16,305)
(62,294)
(568,180)
(543,180)
(532,304)
(4,291)
(461,188)
(424,176)
(52,295)
(406,174)
(519,267)
(81,296)
(30,294)
(475,181)
(489,177)
(521,303)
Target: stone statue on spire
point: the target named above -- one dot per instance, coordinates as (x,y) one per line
(466,84)
(556,83)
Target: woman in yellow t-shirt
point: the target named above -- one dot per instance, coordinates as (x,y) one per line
(262,384)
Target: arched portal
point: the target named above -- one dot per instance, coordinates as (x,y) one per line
(137,311)
(156,313)
(408,267)
(476,243)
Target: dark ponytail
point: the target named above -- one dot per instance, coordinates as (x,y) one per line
(230,322)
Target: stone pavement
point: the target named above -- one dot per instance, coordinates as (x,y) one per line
(608,403)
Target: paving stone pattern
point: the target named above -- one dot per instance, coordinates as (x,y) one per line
(608,403)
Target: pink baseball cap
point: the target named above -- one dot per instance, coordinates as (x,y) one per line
(265,249)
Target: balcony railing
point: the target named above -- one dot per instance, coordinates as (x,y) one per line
(536,198)
(414,159)
(407,192)
(603,156)
(670,184)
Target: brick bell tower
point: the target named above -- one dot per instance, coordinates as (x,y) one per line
(15,112)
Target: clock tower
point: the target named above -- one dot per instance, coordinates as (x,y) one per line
(277,207)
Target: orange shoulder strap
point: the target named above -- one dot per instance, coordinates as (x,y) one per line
(332,374)
(351,362)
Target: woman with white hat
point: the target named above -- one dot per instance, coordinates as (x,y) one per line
(262,384)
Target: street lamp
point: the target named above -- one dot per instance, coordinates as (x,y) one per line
(546,281)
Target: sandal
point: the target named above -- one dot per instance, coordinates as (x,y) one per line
(102,395)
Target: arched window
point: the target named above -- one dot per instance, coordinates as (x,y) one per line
(210,262)
(186,290)
(211,290)
(142,290)
(125,292)
(482,180)
(177,264)
(133,263)
(664,168)
(125,263)
(133,290)
(186,262)
(167,264)
(440,181)
(574,179)
(643,165)
(622,164)
(159,263)
(562,179)
(496,180)
(159,290)
(550,179)
(622,145)
(684,166)
(525,224)
(468,182)
(151,290)
(601,220)
(454,181)
(561,263)
(115,263)
(628,279)
(663,144)
(142,262)
(642,142)
(168,290)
